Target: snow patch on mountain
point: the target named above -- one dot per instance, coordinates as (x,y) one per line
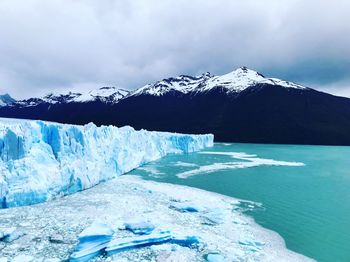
(235,81)
(103,94)
(40,160)
(182,83)
(6,100)
(242,78)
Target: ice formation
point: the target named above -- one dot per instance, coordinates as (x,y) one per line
(92,241)
(186,207)
(40,160)
(155,238)
(123,244)
(140,227)
(105,208)
(248,161)
(10,234)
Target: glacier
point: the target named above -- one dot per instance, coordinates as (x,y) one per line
(42,160)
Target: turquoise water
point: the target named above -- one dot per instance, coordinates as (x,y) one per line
(309,205)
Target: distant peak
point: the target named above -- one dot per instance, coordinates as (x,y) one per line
(206,74)
(244,69)
(6,99)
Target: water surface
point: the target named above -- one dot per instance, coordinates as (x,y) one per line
(308,205)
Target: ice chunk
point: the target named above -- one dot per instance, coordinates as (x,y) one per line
(123,244)
(186,207)
(215,258)
(92,241)
(140,228)
(23,258)
(214,217)
(40,160)
(252,245)
(249,161)
(186,241)
(56,238)
(10,234)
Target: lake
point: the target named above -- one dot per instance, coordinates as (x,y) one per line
(304,190)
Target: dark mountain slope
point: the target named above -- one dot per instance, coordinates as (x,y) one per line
(242,106)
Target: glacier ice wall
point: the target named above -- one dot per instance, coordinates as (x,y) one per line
(40,160)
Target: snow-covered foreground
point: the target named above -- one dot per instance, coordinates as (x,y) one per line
(196,225)
(41,160)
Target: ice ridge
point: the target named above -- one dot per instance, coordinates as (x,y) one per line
(42,160)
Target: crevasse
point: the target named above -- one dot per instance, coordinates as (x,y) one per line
(40,160)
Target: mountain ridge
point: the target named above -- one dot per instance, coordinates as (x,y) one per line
(241,106)
(234,82)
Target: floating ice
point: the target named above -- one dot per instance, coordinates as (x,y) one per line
(151,170)
(123,244)
(140,228)
(184,164)
(253,246)
(23,258)
(215,258)
(40,160)
(155,238)
(186,241)
(117,200)
(214,217)
(10,234)
(249,161)
(92,241)
(186,207)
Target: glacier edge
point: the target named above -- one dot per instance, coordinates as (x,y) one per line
(42,160)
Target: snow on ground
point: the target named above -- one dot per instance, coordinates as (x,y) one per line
(42,160)
(50,230)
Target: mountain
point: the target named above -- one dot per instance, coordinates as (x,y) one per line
(103,94)
(6,100)
(241,106)
(233,82)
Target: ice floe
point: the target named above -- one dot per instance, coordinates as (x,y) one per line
(123,244)
(214,217)
(184,164)
(215,258)
(186,207)
(249,161)
(91,223)
(140,227)
(92,241)
(10,234)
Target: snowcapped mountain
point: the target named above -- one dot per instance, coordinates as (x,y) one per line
(103,94)
(6,100)
(233,82)
(241,106)
(182,83)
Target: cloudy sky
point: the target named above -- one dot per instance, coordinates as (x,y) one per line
(61,45)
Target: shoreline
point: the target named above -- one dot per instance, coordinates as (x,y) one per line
(130,198)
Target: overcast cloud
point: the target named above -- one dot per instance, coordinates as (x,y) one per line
(61,45)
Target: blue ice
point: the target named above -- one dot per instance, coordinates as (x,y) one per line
(40,160)
(186,207)
(92,242)
(140,228)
